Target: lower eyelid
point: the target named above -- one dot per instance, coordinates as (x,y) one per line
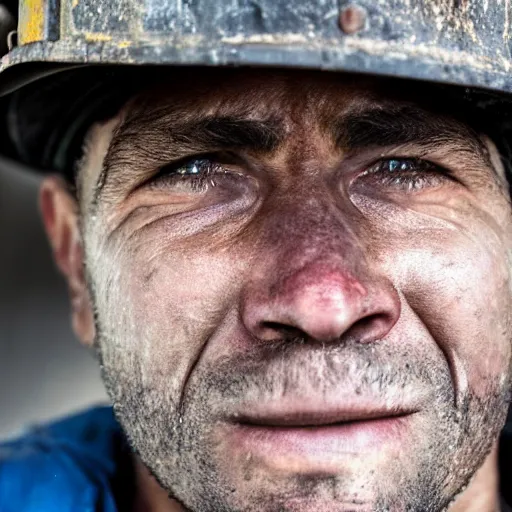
(402,181)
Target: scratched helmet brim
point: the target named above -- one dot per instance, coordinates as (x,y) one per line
(426,62)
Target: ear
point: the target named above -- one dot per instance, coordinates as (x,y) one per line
(60,213)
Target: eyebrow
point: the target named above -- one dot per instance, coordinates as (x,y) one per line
(404,124)
(230,132)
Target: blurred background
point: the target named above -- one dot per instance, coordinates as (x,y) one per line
(44,371)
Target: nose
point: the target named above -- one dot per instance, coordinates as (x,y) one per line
(321,302)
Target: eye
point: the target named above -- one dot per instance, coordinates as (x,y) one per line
(194,167)
(407,174)
(196,174)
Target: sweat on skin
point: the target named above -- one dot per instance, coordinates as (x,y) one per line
(298,286)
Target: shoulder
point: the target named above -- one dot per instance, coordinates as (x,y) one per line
(64,466)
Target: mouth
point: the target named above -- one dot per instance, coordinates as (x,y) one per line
(321,418)
(305,438)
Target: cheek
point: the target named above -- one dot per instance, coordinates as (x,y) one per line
(457,282)
(178,296)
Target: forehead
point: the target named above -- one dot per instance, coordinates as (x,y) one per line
(279,93)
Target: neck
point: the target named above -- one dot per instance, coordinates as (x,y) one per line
(150,497)
(481,495)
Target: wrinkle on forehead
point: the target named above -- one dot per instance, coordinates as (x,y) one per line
(287,96)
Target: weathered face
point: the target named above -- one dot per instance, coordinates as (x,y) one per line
(302,292)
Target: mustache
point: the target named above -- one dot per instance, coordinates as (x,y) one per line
(297,368)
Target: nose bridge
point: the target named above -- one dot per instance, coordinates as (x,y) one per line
(314,231)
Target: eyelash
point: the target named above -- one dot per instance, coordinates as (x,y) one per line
(407,174)
(202,174)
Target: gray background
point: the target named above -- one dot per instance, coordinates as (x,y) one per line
(44,371)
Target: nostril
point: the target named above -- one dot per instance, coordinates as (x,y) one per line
(370,328)
(366,330)
(279,331)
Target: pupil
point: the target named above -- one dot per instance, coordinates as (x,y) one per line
(399,165)
(193,167)
(394,165)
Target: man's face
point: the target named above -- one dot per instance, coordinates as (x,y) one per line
(301,290)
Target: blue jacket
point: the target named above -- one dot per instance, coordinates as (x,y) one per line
(79,464)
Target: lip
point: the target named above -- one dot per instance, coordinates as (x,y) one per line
(304,436)
(325,448)
(317,417)
(316,411)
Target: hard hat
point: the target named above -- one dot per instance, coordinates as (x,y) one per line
(69,55)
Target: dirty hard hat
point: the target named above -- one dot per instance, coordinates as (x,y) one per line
(68,56)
